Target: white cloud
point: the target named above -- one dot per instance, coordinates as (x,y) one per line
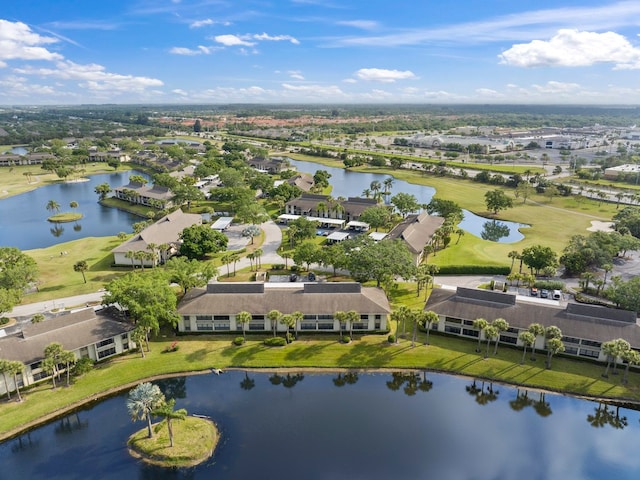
(296,74)
(315,90)
(18,42)
(350,80)
(179,91)
(93,77)
(362,24)
(229,40)
(553,87)
(276,38)
(489,92)
(201,23)
(383,75)
(192,51)
(574,48)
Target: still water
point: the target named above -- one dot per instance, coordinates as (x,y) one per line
(23,218)
(348,183)
(366,426)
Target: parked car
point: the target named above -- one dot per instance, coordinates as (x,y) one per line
(293,277)
(544,293)
(557,295)
(534,292)
(312,277)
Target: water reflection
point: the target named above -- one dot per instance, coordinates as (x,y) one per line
(463,428)
(57,230)
(77,227)
(494,231)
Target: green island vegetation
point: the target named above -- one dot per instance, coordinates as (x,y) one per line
(195,441)
(65,217)
(553,220)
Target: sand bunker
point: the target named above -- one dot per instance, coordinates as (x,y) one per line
(598,226)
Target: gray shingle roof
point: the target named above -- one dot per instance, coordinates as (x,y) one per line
(286,299)
(72,330)
(597,323)
(416,230)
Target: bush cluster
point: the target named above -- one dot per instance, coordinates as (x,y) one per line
(275,342)
(549,284)
(391,338)
(238,341)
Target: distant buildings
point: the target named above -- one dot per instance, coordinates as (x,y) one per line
(416,231)
(149,195)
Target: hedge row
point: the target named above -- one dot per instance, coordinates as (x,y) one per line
(474,270)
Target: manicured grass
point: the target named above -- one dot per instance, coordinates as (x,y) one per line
(201,353)
(194,440)
(57,278)
(65,217)
(13,180)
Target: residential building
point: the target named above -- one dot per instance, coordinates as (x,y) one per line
(584,327)
(214,308)
(416,231)
(323,206)
(153,196)
(85,332)
(164,234)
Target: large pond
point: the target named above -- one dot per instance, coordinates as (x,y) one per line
(367,426)
(24,217)
(347,183)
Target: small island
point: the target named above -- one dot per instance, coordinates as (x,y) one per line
(194,438)
(178,440)
(65,217)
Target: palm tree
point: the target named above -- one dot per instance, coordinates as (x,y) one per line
(81,266)
(5,368)
(243,318)
(166,411)
(247,383)
(513,255)
(631,357)
(226,260)
(502,326)
(274,318)
(341,317)
(528,339)
(297,319)
(536,330)
(143,401)
(49,367)
(352,316)
(400,315)
(53,206)
(388,183)
(480,324)
(17,367)
(490,332)
(375,187)
(554,346)
(427,319)
(130,255)
(288,321)
(69,358)
(73,204)
(258,255)
(138,335)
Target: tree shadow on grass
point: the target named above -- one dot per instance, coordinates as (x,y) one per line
(366,355)
(305,351)
(197,356)
(242,354)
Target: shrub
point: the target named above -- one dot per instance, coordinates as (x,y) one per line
(174,347)
(4,320)
(549,284)
(238,341)
(346,339)
(83,366)
(474,270)
(275,342)
(391,338)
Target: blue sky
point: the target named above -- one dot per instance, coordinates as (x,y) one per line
(319,51)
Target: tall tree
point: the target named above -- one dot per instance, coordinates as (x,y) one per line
(536,330)
(167,411)
(243,318)
(189,273)
(143,401)
(502,326)
(480,324)
(274,318)
(427,319)
(200,240)
(341,317)
(53,206)
(490,333)
(81,266)
(497,200)
(528,339)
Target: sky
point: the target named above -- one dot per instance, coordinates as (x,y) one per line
(319,51)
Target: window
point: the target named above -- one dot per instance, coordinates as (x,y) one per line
(591,343)
(256,325)
(254,317)
(364,317)
(570,340)
(309,317)
(571,350)
(104,343)
(106,353)
(453,320)
(468,323)
(450,329)
(325,317)
(201,317)
(470,333)
(508,339)
(360,325)
(221,317)
(325,326)
(204,326)
(589,353)
(221,325)
(308,326)
(378,317)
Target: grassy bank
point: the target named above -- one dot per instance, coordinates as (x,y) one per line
(201,353)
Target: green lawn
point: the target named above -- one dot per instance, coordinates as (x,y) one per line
(201,353)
